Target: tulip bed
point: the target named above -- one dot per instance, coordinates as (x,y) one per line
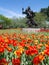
(24,49)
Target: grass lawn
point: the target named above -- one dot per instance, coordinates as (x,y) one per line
(10,31)
(19,30)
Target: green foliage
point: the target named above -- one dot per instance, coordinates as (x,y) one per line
(40,19)
(6,21)
(19,23)
(46,12)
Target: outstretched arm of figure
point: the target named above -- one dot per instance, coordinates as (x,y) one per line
(24,12)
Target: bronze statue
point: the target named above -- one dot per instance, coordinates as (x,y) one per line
(30,15)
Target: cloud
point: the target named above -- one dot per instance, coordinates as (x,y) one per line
(11,13)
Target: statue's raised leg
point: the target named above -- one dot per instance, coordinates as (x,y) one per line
(29,23)
(34,23)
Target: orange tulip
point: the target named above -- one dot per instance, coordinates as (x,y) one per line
(9,49)
(19,51)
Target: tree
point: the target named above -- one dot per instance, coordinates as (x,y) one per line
(7,21)
(45,11)
(19,22)
(40,19)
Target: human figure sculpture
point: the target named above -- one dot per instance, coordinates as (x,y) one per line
(30,15)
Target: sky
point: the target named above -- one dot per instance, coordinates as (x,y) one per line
(11,8)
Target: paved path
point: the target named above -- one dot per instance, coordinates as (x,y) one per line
(30,29)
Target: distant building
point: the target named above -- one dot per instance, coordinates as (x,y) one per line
(1,23)
(47,22)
